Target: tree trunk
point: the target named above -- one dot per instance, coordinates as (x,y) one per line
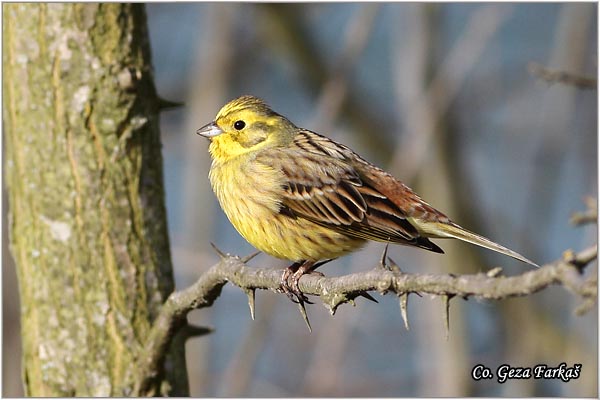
(87,218)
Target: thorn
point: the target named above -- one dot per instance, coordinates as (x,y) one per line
(367,296)
(249,257)
(403,305)
(446,299)
(304,316)
(494,272)
(250,292)
(219,252)
(393,266)
(190,331)
(164,104)
(382,263)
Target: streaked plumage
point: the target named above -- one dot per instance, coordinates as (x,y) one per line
(300,196)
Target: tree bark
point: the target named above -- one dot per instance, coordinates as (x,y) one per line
(87,218)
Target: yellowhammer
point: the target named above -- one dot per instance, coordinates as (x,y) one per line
(300,196)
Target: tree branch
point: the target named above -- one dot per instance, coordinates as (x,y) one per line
(589,216)
(335,291)
(557,76)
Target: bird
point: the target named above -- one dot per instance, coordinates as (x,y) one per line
(303,197)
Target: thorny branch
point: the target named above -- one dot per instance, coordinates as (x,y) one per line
(335,291)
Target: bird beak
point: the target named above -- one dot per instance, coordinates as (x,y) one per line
(210,130)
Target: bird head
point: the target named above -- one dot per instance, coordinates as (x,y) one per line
(245,125)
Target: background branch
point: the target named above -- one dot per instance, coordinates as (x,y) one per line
(559,76)
(589,216)
(339,290)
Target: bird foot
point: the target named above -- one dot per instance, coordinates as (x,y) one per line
(290,278)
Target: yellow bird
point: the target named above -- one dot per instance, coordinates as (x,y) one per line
(300,196)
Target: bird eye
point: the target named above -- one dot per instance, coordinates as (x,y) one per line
(239,125)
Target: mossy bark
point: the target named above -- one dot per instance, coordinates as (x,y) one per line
(87,219)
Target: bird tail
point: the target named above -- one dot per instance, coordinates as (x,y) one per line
(442,230)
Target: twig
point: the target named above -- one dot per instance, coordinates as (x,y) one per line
(589,216)
(584,218)
(552,76)
(339,290)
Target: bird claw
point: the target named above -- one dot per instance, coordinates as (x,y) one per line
(289,286)
(290,279)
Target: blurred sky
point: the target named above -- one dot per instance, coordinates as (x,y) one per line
(440,95)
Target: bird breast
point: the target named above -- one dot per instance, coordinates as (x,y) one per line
(250,194)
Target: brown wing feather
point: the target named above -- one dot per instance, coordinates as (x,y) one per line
(327,185)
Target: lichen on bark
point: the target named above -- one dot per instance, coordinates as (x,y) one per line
(87,221)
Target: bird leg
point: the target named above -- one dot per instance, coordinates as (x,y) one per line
(305,268)
(284,286)
(291,276)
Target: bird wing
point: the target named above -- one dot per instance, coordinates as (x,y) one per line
(323,183)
